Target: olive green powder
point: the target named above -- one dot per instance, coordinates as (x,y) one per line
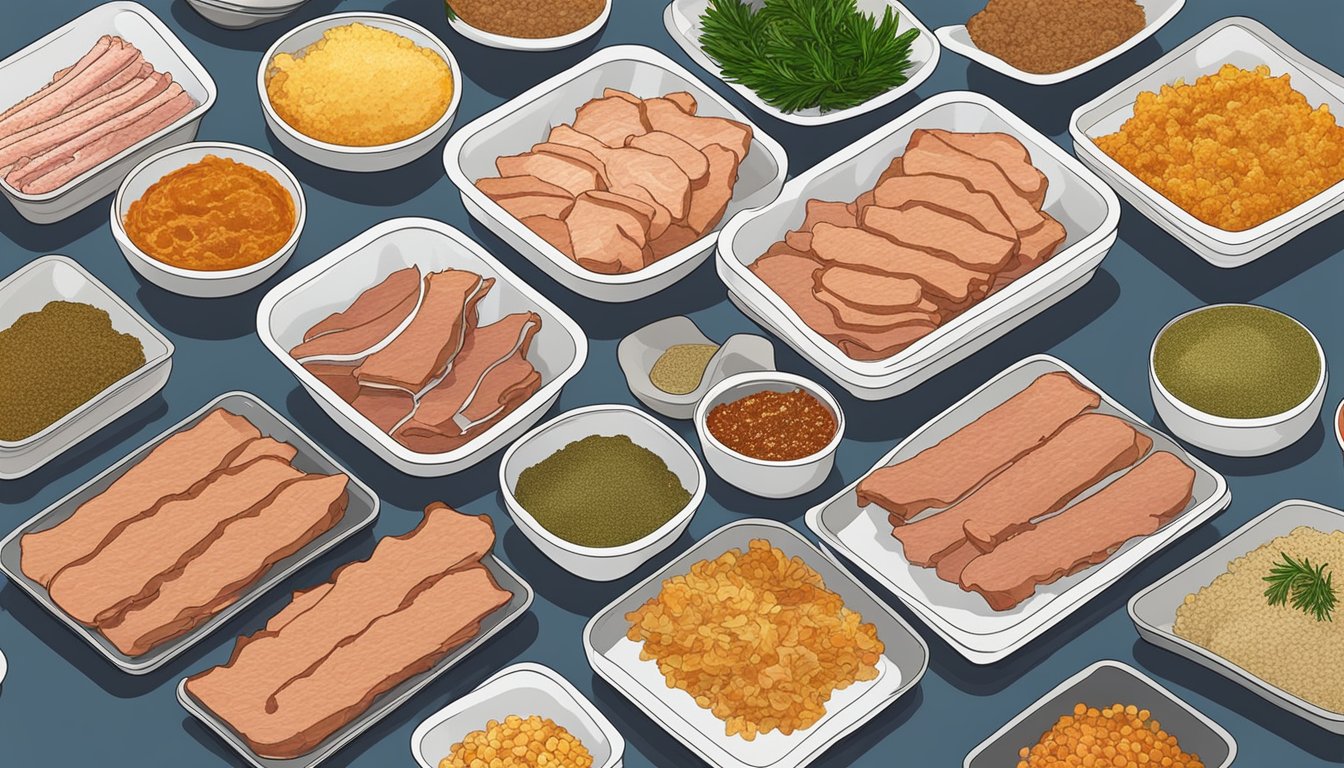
(679,370)
(1238,362)
(601,492)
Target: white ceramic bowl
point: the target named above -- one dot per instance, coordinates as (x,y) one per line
(601,563)
(359,159)
(524,690)
(769,479)
(244,14)
(195,282)
(1236,437)
(508,43)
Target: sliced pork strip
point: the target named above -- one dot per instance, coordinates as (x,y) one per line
(434,442)
(850,317)
(499,386)
(261,447)
(566,135)
(425,349)
(527,206)
(653,178)
(1006,152)
(684,100)
(99,48)
(500,187)
(171,470)
(674,239)
(572,176)
(944,473)
(553,231)
(895,168)
(870,292)
(241,556)
(131,567)
(299,602)
(1039,245)
(949,196)
(689,159)
(710,202)
(1136,504)
(386,408)
(607,238)
(358,339)
(611,120)
(575,153)
(926,153)
(818,211)
(70,125)
(373,303)
(616,93)
(928,229)
(70,89)
(1043,481)
(951,566)
(701,132)
(338,377)
(861,249)
(139,70)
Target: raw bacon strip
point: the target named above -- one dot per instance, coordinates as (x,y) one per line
(72,125)
(70,89)
(99,48)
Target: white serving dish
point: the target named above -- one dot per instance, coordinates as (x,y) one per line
(640,351)
(57,278)
(358,159)
(1244,43)
(615,659)
(192,282)
(601,563)
(244,14)
(976,631)
(1078,199)
(768,479)
(332,282)
(1236,437)
(1101,685)
(682,19)
(25,72)
(956,38)
(507,43)
(361,510)
(1153,610)
(524,690)
(4,667)
(526,120)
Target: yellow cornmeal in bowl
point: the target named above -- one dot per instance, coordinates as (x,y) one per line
(360,86)
(1233,149)
(1279,644)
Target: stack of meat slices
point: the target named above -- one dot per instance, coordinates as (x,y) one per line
(998,483)
(630,182)
(181,535)
(409,356)
(324,658)
(108,101)
(953,220)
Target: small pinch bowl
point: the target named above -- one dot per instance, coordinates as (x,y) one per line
(1237,437)
(768,479)
(196,282)
(510,43)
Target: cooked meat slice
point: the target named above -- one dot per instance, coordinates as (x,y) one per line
(517,393)
(684,100)
(674,239)
(942,474)
(608,93)
(577,154)
(1137,504)
(798,241)
(690,160)
(926,153)
(859,248)
(527,206)
(240,557)
(701,132)
(931,230)
(868,291)
(655,179)
(850,317)
(373,303)
(830,212)
(570,175)
(1008,154)
(609,235)
(611,120)
(264,446)
(710,202)
(299,602)
(386,408)
(1043,481)
(565,135)
(358,341)
(500,187)
(946,195)
(427,346)
(894,168)
(175,468)
(1039,245)
(338,377)
(553,231)
(952,564)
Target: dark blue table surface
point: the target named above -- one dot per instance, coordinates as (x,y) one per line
(62,705)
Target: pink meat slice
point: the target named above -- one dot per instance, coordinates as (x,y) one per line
(387,296)
(946,195)
(690,160)
(861,249)
(118,55)
(684,100)
(818,211)
(611,119)
(608,235)
(710,201)
(928,229)
(927,153)
(527,206)
(338,377)
(674,239)
(850,317)
(701,132)
(553,231)
(868,291)
(261,447)
(570,175)
(357,340)
(386,408)
(501,187)
(72,124)
(1006,152)
(102,46)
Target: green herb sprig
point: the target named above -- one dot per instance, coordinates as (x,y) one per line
(800,54)
(1309,587)
(452,15)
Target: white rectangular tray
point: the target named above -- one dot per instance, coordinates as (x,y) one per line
(964,619)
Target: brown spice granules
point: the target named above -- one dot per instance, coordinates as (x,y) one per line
(533,19)
(773,426)
(1048,36)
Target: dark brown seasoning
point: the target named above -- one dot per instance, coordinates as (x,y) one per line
(773,426)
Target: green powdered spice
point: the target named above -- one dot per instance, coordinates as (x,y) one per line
(56,359)
(1238,362)
(681,367)
(601,492)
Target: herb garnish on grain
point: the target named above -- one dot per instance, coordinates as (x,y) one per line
(799,54)
(1311,589)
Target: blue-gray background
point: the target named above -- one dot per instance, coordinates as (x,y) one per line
(62,705)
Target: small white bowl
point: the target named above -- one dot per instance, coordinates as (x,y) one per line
(382,157)
(244,14)
(1236,437)
(524,690)
(195,282)
(769,479)
(508,43)
(601,563)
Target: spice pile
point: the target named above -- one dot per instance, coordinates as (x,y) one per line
(211,215)
(679,370)
(360,86)
(1281,642)
(532,19)
(1116,736)
(1048,36)
(773,426)
(601,492)
(56,359)
(1233,149)
(1238,362)
(756,638)
(517,742)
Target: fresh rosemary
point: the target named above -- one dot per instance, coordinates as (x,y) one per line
(799,54)
(452,15)
(1309,587)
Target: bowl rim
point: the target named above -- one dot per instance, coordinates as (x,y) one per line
(1235,423)
(525,519)
(771,377)
(509,42)
(378,20)
(274,165)
(1336,427)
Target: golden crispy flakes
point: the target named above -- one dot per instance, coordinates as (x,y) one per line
(1118,736)
(532,742)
